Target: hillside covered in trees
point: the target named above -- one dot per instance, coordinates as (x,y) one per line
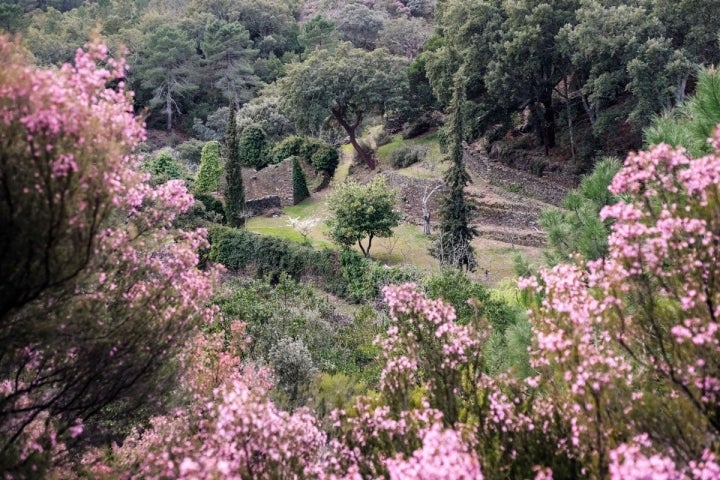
(402,239)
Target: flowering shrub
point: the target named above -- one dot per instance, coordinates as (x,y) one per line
(98,289)
(626,345)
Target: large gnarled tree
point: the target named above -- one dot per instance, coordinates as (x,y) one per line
(346,83)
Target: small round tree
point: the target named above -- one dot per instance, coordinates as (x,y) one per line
(164,167)
(208,177)
(325,158)
(360,211)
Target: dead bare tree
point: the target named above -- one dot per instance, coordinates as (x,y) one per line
(426,208)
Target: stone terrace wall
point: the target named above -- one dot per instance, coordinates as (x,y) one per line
(258,206)
(274,180)
(496,173)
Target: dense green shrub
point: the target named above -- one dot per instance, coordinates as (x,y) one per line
(300,189)
(346,274)
(208,177)
(298,331)
(383,138)
(294,368)
(293,145)
(365,278)
(211,204)
(456,288)
(417,128)
(272,257)
(405,156)
(164,167)
(325,158)
(190,152)
(253,147)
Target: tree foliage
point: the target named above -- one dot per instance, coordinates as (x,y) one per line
(578,229)
(228,58)
(208,177)
(360,25)
(253,147)
(546,56)
(405,36)
(453,243)
(318,32)
(234,189)
(167,67)
(346,83)
(322,156)
(164,167)
(299,182)
(691,124)
(362,211)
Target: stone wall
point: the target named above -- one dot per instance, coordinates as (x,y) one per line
(274,180)
(552,189)
(258,206)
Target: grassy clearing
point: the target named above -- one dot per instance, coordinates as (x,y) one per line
(498,259)
(306,209)
(275,227)
(408,245)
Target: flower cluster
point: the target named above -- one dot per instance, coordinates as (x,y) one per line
(443,455)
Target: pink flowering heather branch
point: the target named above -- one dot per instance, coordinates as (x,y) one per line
(98,288)
(609,331)
(425,336)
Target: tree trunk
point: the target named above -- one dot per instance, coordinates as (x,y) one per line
(366,157)
(426,209)
(366,251)
(548,121)
(350,130)
(680,92)
(590,110)
(168,108)
(568,111)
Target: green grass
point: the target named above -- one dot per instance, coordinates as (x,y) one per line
(306,208)
(408,246)
(276,227)
(430,167)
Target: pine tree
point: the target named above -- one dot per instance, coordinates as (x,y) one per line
(234,190)
(300,189)
(453,243)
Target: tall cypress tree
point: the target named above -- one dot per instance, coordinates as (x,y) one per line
(453,243)
(234,190)
(300,189)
